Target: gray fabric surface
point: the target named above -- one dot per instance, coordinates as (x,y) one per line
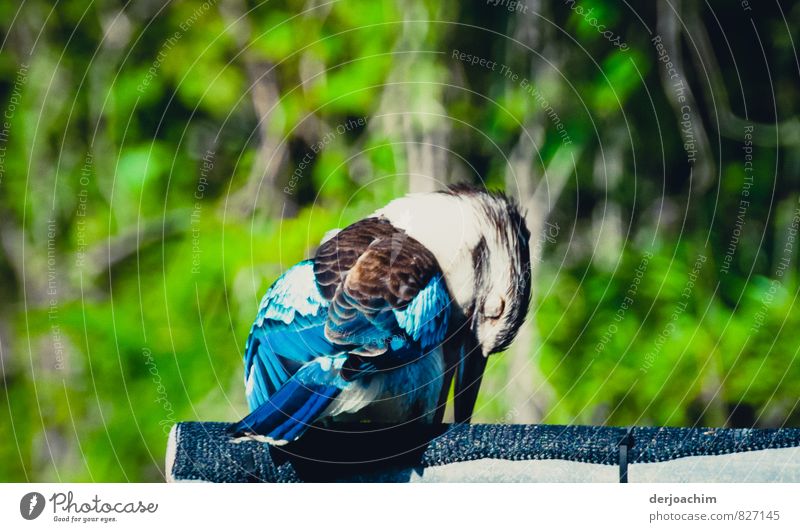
(203,452)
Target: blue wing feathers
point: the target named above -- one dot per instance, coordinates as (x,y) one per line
(295,292)
(425,318)
(289,331)
(295,405)
(296,424)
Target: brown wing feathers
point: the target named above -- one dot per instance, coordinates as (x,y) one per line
(337,256)
(367,270)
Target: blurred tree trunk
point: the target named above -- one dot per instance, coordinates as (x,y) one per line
(261,190)
(703,172)
(538,189)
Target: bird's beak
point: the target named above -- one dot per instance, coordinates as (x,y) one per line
(468,379)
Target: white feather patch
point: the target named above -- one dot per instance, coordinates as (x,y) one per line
(250,382)
(449,227)
(355,397)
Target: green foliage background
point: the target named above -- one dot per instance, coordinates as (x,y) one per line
(130,269)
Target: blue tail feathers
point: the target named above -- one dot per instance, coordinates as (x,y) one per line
(293,407)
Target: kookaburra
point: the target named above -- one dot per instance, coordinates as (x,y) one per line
(375,326)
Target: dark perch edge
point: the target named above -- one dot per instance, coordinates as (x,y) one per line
(202,451)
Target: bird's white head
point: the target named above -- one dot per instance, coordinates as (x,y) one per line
(481,242)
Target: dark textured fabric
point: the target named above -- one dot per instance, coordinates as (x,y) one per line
(204,452)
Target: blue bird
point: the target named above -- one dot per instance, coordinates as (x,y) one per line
(386,314)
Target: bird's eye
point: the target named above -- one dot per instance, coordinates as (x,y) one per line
(493,308)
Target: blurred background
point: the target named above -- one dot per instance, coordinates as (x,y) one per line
(161,163)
